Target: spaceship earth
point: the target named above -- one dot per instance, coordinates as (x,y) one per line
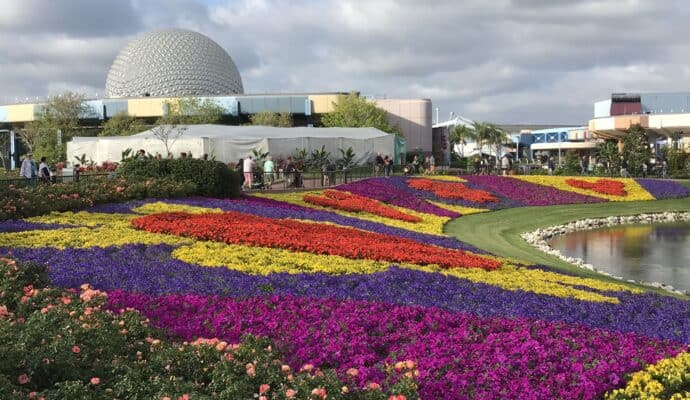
(173,62)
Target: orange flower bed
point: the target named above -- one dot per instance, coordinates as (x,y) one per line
(238,228)
(352,202)
(452,190)
(603,186)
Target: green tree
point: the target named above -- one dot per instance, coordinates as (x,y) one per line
(268,118)
(353,111)
(608,155)
(636,149)
(58,116)
(122,124)
(496,137)
(192,111)
(347,158)
(318,158)
(482,132)
(460,134)
(677,161)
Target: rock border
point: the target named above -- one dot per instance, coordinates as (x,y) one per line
(538,239)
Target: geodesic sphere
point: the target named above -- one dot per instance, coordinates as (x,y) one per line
(173,62)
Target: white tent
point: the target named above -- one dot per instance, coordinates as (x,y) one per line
(230,143)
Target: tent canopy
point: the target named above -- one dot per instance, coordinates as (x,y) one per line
(230,143)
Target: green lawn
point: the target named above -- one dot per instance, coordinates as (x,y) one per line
(499,232)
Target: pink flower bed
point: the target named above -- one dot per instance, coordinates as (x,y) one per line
(459,356)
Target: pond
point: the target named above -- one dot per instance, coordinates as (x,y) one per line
(649,252)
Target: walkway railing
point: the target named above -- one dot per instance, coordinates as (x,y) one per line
(79,178)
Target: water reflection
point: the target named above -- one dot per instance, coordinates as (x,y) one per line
(651,252)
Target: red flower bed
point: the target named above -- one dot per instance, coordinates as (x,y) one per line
(238,228)
(603,186)
(452,190)
(352,202)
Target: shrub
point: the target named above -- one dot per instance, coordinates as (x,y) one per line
(42,199)
(212,178)
(58,344)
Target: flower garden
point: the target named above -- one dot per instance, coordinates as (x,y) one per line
(360,277)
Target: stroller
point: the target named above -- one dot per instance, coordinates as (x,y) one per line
(258,181)
(294,179)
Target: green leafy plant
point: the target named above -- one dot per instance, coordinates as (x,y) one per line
(212,178)
(76,344)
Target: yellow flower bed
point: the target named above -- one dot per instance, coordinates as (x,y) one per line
(431,224)
(263,261)
(667,379)
(448,178)
(91,230)
(161,207)
(459,209)
(510,277)
(635,191)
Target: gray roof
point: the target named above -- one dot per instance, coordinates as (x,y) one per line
(260,132)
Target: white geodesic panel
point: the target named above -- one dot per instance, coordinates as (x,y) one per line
(173,62)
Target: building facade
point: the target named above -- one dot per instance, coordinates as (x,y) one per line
(664,116)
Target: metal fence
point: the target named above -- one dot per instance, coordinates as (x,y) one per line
(78,178)
(315,179)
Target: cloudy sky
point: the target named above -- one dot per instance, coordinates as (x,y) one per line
(520,61)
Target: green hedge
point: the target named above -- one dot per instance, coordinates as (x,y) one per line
(212,178)
(42,199)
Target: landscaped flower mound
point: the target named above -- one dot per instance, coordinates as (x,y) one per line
(361,292)
(352,202)
(452,190)
(238,228)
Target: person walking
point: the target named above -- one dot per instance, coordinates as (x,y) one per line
(28,169)
(378,164)
(624,168)
(550,165)
(248,169)
(240,170)
(269,171)
(44,171)
(505,164)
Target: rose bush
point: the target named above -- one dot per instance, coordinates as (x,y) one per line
(59,344)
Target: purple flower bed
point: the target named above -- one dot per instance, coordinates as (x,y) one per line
(19,225)
(663,189)
(151,270)
(383,189)
(459,356)
(119,208)
(528,193)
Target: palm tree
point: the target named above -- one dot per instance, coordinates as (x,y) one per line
(496,137)
(459,134)
(481,131)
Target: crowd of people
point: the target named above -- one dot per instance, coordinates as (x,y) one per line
(263,174)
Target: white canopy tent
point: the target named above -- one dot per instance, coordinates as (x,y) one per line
(230,143)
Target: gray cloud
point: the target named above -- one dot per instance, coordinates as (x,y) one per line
(533,61)
(71,17)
